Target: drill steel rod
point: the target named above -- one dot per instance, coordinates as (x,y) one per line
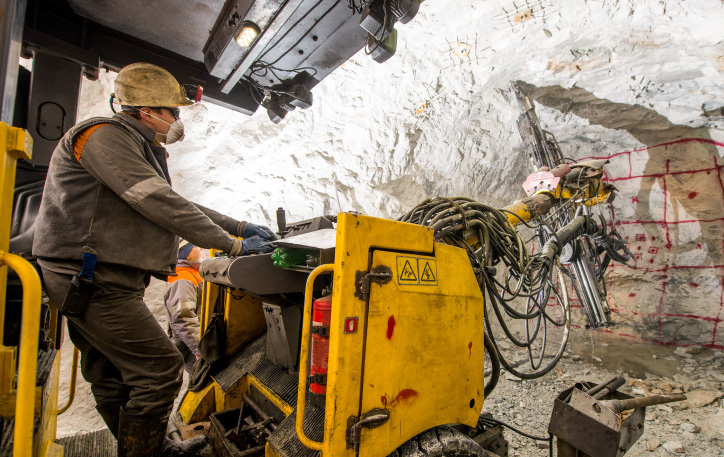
(609,389)
(257,409)
(618,406)
(597,388)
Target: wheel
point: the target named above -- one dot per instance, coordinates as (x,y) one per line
(441,441)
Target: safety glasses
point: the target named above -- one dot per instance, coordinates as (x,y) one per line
(175,112)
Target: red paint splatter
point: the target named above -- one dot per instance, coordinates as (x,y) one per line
(390,327)
(632,294)
(693,284)
(634,199)
(470,349)
(638,248)
(405,396)
(693,194)
(384,401)
(651,260)
(653,238)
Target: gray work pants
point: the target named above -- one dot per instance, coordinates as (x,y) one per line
(125,355)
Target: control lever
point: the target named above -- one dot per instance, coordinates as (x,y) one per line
(281,222)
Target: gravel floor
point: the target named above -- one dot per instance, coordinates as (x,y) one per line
(694,427)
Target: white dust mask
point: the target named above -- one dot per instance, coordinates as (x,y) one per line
(175,131)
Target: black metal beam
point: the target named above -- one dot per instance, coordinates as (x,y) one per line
(62,33)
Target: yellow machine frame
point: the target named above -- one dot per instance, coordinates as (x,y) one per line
(27,401)
(416,349)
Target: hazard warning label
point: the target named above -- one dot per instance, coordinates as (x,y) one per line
(428,272)
(407,270)
(416,271)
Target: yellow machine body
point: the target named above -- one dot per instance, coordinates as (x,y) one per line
(423,358)
(412,346)
(26,401)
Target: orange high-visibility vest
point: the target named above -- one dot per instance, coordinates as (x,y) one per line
(188,274)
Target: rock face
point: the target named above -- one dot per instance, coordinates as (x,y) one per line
(638,81)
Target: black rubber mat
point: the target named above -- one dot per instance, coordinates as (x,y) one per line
(93,444)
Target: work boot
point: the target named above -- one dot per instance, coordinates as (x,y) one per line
(141,436)
(145,436)
(111,414)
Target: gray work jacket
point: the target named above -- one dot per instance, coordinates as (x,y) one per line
(117,200)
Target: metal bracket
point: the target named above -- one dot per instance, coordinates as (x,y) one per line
(380,275)
(318,379)
(320,330)
(371,419)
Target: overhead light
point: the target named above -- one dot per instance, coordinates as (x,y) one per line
(405,10)
(379,16)
(247,35)
(378,19)
(279,104)
(383,50)
(375,21)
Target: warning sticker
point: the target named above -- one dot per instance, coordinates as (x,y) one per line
(416,271)
(428,272)
(407,270)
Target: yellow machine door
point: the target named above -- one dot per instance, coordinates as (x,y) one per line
(423,359)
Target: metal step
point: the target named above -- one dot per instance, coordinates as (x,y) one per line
(94,444)
(285,441)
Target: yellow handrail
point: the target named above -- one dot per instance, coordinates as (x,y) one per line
(25,403)
(73,378)
(304,355)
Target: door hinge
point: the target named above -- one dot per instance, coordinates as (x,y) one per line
(379,275)
(371,419)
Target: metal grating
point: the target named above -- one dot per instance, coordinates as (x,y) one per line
(284,440)
(278,381)
(93,444)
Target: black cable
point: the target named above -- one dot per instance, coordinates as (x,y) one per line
(490,422)
(495,361)
(384,27)
(352,4)
(520,219)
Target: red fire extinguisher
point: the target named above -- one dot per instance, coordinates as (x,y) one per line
(321,312)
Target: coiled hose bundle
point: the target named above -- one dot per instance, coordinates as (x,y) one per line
(496,250)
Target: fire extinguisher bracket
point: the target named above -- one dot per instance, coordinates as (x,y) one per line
(320,330)
(318,379)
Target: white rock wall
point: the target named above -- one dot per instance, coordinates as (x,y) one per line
(608,76)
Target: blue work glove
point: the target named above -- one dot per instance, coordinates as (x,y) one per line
(257,244)
(248,230)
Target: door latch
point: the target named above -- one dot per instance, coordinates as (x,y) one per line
(379,275)
(371,419)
